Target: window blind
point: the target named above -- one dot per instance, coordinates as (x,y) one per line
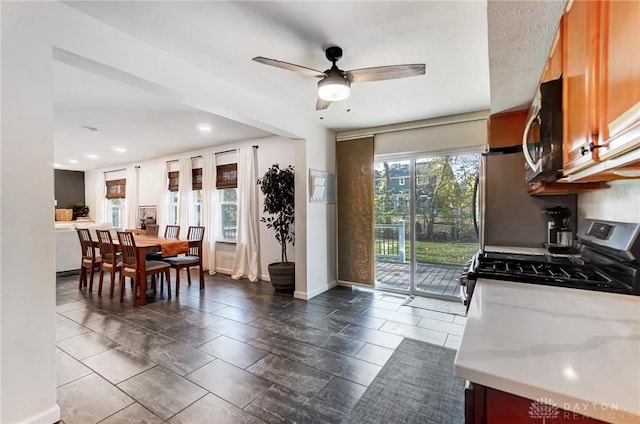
(227,176)
(356,256)
(196,179)
(174,179)
(116,189)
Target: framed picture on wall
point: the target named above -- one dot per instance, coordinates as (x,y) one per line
(146,215)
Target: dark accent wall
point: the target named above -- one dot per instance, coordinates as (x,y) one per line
(69,187)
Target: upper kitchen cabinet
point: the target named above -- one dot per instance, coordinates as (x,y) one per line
(553,68)
(619,78)
(505,129)
(580,58)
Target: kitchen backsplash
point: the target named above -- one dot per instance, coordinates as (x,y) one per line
(620,202)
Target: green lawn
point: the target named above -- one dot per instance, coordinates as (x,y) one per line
(444,253)
(433,252)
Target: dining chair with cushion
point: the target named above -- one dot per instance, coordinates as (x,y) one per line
(152,230)
(130,265)
(170,232)
(195,235)
(111,262)
(89,258)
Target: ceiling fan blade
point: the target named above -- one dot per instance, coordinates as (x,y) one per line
(289,66)
(386,72)
(322,104)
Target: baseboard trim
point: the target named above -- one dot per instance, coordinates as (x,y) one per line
(224,270)
(308,295)
(352,284)
(51,415)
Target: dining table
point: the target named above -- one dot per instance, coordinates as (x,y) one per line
(148,244)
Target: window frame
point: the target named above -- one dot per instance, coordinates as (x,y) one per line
(110,206)
(173,202)
(221,204)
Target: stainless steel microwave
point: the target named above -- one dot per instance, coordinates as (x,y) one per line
(542,139)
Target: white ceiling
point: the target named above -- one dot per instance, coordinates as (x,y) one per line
(458,41)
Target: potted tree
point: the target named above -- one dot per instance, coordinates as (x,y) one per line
(277,184)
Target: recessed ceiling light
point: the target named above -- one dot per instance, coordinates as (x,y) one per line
(204,128)
(92,130)
(120,149)
(92,156)
(72,161)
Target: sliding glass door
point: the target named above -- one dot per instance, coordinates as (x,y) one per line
(425,222)
(392,201)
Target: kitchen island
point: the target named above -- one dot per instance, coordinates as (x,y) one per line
(577,350)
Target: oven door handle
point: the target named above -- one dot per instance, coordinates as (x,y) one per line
(525,149)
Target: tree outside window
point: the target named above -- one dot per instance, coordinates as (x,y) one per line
(196,210)
(115,212)
(229,214)
(172,208)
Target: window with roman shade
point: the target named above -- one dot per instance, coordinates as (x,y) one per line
(116,189)
(227,176)
(174,178)
(196,179)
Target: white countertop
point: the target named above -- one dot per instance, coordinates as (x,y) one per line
(579,348)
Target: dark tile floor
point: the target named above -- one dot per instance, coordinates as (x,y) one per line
(234,353)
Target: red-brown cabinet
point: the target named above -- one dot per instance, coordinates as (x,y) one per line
(484,405)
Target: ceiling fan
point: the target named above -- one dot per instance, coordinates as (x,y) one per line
(335,84)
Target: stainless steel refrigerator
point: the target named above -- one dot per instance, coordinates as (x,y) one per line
(509,216)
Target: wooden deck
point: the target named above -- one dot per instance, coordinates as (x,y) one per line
(431,278)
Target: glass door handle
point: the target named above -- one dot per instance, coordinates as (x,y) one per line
(474,203)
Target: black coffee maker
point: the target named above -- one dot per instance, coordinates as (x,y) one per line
(559,236)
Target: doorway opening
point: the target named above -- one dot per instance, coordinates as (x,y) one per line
(425,222)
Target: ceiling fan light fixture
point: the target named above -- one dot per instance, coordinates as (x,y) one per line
(334,87)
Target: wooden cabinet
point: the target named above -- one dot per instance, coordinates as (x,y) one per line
(581,45)
(553,67)
(484,405)
(619,77)
(506,129)
(601,86)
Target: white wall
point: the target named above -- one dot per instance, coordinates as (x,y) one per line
(27,271)
(270,150)
(620,202)
(103,49)
(31,31)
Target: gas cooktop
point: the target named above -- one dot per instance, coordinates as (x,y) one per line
(609,261)
(564,271)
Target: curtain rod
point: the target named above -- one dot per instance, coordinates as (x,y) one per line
(177,160)
(226,151)
(216,153)
(115,170)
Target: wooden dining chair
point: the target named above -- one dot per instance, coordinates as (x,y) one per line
(110,260)
(89,258)
(152,230)
(171,231)
(195,235)
(130,265)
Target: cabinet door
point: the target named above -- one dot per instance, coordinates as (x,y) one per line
(620,77)
(553,67)
(580,54)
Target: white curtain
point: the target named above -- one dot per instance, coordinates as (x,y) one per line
(98,213)
(131,198)
(246,262)
(209,212)
(162,181)
(184,194)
